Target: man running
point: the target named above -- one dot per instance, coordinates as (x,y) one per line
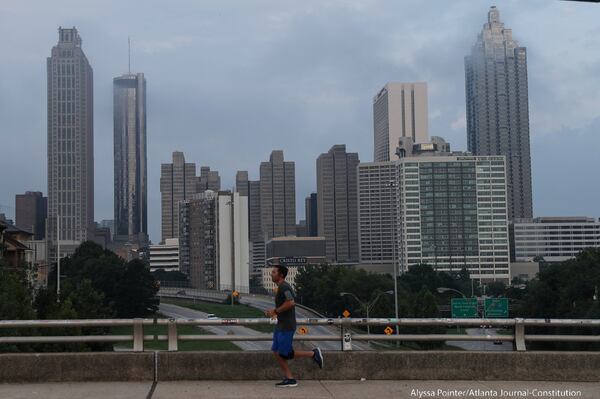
(286,326)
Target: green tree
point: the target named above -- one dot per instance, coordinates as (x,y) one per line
(15,304)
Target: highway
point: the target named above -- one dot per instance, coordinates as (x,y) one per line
(481,345)
(262,303)
(180,312)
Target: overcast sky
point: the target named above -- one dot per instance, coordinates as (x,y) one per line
(229,81)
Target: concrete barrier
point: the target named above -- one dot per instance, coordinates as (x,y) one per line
(431,365)
(85,366)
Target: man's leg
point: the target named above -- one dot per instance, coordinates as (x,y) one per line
(284,366)
(315,355)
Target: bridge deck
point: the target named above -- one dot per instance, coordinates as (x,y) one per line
(307,389)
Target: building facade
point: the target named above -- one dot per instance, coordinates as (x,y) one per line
(296,251)
(337,207)
(130,173)
(277,196)
(208,180)
(251,189)
(451,213)
(70,114)
(214,246)
(178,182)
(399,110)
(498,110)
(555,239)
(31,212)
(198,239)
(164,256)
(310,212)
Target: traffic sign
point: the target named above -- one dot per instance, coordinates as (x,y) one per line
(495,308)
(464,308)
(235,293)
(303,330)
(346,313)
(388,330)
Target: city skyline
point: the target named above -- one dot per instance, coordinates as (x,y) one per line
(337,112)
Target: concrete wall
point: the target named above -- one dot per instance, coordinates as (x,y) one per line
(432,365)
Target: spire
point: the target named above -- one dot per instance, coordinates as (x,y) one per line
(129,55)
(493,15)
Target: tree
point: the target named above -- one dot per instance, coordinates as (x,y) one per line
(566,290)
(136,291)
(119,288)
(15,303)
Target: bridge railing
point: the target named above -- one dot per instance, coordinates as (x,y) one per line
(345,337)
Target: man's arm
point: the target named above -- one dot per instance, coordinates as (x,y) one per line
(285,306)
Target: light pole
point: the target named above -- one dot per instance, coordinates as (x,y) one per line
(394,243)
(367,306)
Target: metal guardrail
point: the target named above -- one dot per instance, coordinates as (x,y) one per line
(519,338)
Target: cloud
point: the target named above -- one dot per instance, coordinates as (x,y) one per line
(160,45)
(230,81)
(460,123)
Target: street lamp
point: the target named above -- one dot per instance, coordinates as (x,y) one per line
(367,306)
(442,290)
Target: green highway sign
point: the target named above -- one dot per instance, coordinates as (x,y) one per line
(464,308)
(495,308)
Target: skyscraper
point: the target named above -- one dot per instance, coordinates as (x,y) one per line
(310,212)
(70,144)
(177,182)
(444,209)
(337,207)
(131,186)
(214,248)
(251,189)
(31,212)
(277,196)
(498,110)
(399,110)
(208,180)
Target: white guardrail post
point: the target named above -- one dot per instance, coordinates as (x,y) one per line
(172,335)
(138,335)
(520,335)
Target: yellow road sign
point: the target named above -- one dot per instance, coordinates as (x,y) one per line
(346,313)
(302,330)
(388,330)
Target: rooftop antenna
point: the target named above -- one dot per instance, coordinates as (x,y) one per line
(129,54)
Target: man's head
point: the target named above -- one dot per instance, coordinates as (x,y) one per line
(278,273)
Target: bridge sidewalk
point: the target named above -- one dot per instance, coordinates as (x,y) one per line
(307,389)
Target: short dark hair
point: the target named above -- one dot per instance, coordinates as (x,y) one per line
(282,269)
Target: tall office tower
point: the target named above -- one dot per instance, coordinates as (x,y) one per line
(337,208)
(450,213)
(177,182)
(131,182)
(498,110)
(399,110)
(70,145)
(241,182)
(31,212)
(251,189)
(213,241)
(277,197)
(310,212)
(198,238)
(208,180)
